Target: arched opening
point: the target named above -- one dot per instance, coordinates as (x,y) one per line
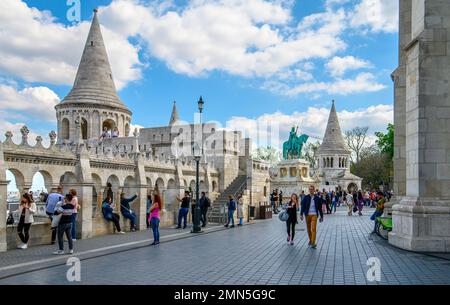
(109,124)
(114,181)
(65,127)
(192,187)
(214,186)
(84,129)
(67,181)
(265,190)
(171,184)
(352,187)
(14,189)
(202,187)
(127,130)
(332,159)
(159,185)
(129,186)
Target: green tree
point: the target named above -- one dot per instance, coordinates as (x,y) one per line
(374,166)
(386,141)
(310,152)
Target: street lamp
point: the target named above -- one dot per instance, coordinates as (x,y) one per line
(197,152)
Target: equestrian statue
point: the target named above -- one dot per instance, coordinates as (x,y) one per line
(292,148)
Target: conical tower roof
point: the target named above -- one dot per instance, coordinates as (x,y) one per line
(94,82)
(333,141)
(174,117)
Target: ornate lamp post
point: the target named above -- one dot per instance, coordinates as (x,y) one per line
(197,153)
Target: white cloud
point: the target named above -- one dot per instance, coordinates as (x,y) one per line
(376,15)
(245,38)
(35,48)
(32,102)
(337,66)
(363,82)
(273,129)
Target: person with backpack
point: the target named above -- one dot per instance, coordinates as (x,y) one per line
(205,203)
(26,211)
(109,215)
(65,224)
(50,206)
(125,210)
(291,210)
(231,208)
(154,218)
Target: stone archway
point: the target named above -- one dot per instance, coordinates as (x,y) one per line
(109,124)
(352,187)
(65,129)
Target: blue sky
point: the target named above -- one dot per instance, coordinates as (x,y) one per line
(253,61)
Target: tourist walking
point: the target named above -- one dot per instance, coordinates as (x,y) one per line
(231,208)
(240,209)
(205,203)
(379,209)
(311,209)
(26,210)
(349,200)
(149,204)
(360,203)
(109,215)
(184,209)
(65,224)
(155,218)
(50,206)
(272,200)
(125,210)
(76,208)
(291,210)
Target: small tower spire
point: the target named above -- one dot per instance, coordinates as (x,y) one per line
(174,116)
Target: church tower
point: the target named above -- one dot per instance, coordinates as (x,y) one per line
(93,100)
(333,157)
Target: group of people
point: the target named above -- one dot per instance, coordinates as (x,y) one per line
(108,133)
(186,202)
(312,207)
(276,200)
(62,211)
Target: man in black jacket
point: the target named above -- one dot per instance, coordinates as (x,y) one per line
(311,209)
(205,203)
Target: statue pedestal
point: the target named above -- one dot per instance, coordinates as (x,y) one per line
(292,177)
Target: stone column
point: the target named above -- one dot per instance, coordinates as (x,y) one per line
(3,204)
(421,220)
(141,185)
(399,78)
(84,187)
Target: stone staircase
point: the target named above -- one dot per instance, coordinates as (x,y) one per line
(217,214)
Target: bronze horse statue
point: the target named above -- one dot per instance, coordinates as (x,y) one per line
(292,148)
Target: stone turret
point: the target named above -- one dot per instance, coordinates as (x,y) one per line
(174,118)
(333,157)
(93,98)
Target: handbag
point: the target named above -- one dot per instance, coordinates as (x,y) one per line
(55,220)
(10,219)
(283,216)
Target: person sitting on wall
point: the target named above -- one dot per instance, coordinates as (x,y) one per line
(108,214)
(126,211)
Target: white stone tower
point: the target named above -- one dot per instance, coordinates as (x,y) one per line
(333,158)
(93,99)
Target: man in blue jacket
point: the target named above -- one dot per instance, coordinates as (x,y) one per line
(126,211)
(311,209)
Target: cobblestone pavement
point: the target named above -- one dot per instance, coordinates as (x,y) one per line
(257,254)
